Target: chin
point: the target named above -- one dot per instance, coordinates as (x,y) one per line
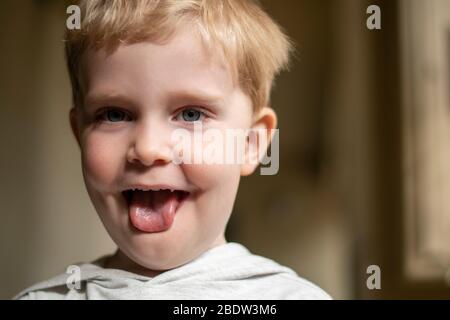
(162,254)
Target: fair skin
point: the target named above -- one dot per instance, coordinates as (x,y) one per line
(147,89)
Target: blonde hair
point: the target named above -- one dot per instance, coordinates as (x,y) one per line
(255,46)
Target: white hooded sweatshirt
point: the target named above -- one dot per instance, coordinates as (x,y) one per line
(225,272)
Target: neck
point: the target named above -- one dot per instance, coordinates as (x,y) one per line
(121,261)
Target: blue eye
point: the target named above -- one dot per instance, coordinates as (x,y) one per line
(113,115)
(191,115)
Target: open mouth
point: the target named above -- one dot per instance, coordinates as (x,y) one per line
(180,194)
(153,210)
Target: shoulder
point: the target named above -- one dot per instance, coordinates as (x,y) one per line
(67,285)
(293,287)
(52,289)
(271,280)
(284,283)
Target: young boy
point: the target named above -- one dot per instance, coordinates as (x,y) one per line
(141,70)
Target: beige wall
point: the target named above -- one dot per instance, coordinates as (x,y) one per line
(47,219)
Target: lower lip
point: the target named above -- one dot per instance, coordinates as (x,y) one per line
(158,224)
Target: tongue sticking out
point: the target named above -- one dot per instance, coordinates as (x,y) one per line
(153,211)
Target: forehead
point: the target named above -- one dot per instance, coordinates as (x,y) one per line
(181,65)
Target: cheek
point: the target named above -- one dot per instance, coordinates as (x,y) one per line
(102,157)
(219,181)
(212,209)
(208,175)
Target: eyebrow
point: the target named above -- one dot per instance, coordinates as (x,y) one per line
(176,96)
(197,96)
(107,98)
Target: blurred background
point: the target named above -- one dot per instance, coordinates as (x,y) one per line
(364,159)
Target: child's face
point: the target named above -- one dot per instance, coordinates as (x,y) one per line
(146,87)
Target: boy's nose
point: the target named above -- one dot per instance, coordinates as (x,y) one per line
(149,147)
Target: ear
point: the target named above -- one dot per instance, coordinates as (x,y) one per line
(259,139)
(73,118)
